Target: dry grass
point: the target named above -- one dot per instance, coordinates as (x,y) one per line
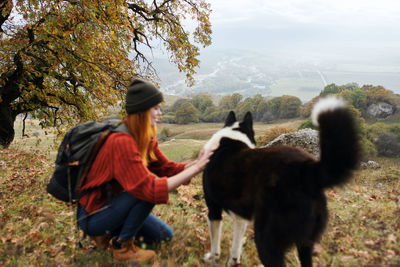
(203,131)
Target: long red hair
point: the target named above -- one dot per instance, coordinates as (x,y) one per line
(139,125)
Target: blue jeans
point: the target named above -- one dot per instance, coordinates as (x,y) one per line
(127,217)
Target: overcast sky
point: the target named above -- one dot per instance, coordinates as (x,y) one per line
(268,23)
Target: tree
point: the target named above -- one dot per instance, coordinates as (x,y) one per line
(230,101)
(245,106)
(290,107)
(236,98)
(274,106)
(178,103)
(307,108)
(261,110)
(202,102)
(377,94)
(65,61)
(357,98)
(187,113)
(330,89)
(215,115)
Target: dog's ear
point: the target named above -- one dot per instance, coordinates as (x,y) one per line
(248,120)
(247,126)
(231,119)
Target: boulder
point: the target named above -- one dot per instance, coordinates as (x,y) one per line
(370,164)
(380,110)
(306,139)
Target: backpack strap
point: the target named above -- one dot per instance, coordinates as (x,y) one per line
(100,142)
(121,127)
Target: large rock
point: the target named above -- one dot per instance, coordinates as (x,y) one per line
(370,164)
(380,110)
(306,139)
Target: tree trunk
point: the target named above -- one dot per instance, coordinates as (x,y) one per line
(7,117)
(7,132)
(5,11)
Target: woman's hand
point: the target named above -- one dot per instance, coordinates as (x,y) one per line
(203,158)
(190,171)
(195,161)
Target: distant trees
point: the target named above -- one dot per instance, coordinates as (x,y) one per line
(377,138)
(330,89)
(230,101)
(333,89)
(357,97)
(290,107)
(360,97)
(202,102)
(201,108)
(270,109)
(380,94)
(187,113)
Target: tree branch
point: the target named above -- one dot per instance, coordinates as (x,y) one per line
(6,7)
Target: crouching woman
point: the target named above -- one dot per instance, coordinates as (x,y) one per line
(139,175)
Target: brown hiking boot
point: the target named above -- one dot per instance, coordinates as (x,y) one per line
(127,251)
(102,241)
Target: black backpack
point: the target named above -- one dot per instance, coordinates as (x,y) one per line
(75,156)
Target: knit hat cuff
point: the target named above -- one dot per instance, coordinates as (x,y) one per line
(144,103)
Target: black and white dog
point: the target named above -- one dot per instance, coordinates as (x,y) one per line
(280,188)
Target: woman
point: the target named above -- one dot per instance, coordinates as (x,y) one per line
(130,163)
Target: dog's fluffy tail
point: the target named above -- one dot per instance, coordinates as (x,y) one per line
(339,143)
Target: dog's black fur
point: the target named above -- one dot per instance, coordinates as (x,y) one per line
(281,188)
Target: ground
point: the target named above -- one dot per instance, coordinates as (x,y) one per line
(37,230)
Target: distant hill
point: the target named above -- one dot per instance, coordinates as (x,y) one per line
(274,74)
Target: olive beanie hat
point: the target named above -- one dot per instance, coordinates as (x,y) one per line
(141,96)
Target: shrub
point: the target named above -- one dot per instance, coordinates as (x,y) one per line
(379,128)
(195,154)
(307,124)
(273,133)
(187,113)
(307,108)
(387,145)
(168,118)
(164,134)
(395,129)
(367,147)
(386,138)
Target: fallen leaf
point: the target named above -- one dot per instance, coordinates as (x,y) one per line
(332,195)
(317,250)
(355,188)
(369,243)
(347,258)
(359,253)
(392,238)
(390,253)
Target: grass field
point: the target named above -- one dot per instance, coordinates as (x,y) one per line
(36,230)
